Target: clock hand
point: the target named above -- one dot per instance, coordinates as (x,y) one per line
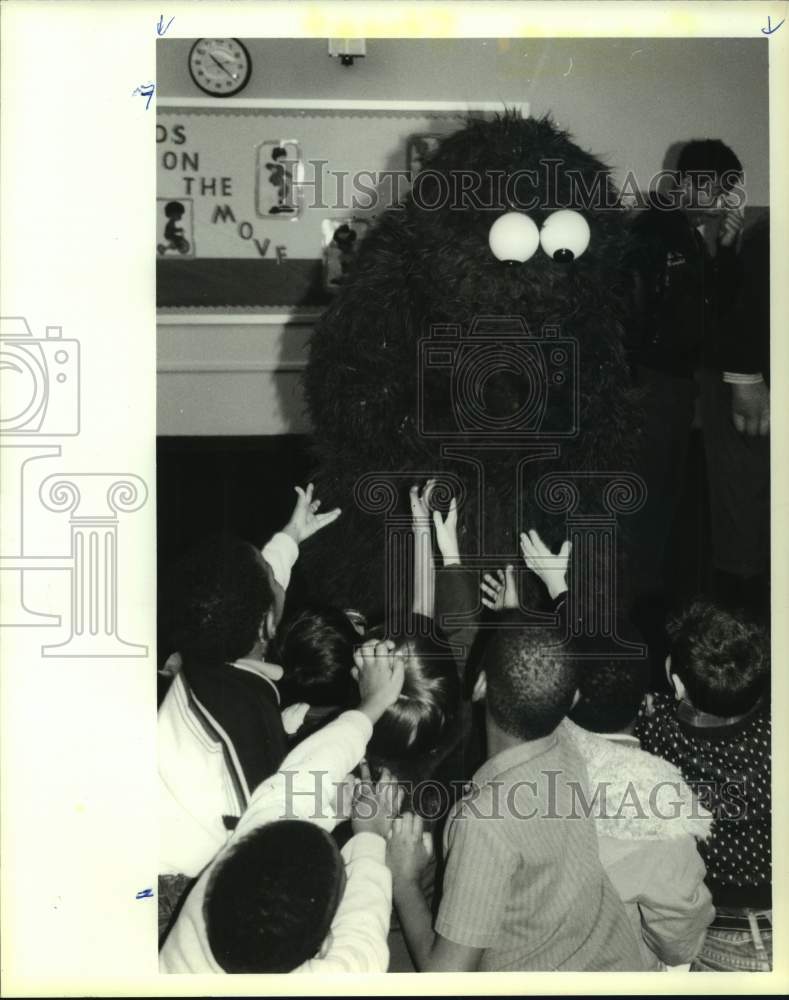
(222,66)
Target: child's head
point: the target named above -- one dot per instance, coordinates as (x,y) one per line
(415,733)
(611,690)
(721,660)
(174,210)
(221,601)
(314,646)
(270,903)
(531,679)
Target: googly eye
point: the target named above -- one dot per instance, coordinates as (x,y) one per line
(514,238)
(565,235)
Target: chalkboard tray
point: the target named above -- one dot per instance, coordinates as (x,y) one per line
(227,284)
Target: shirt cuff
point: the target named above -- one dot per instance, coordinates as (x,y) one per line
(281,553)
(743,378)
(365,845)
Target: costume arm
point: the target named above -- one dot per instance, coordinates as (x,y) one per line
(360,927)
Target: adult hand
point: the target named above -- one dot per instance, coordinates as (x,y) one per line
(750,408)
(305,519)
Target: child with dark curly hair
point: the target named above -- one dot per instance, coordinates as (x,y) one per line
(220,731)
(281,896)
(716,729)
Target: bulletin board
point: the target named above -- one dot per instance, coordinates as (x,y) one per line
(259,209)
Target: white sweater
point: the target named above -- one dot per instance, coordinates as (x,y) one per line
(196,786)
(305,788)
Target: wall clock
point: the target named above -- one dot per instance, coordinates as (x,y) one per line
(220,66)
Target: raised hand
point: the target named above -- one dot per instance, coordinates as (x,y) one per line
(447,534)
(420,504)
(305,519)
(409,849)
(550,567)
(379,674)
(375,805)
(500,591)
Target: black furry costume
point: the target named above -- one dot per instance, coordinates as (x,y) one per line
(421,267)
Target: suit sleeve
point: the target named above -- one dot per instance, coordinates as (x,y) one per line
(457,608)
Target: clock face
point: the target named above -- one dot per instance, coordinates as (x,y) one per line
(219,66)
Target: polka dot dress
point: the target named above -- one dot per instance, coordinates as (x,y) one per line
(728,767)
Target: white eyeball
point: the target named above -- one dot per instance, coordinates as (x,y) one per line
(514,238)
(565,235)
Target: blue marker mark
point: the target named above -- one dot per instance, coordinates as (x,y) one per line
(145,90)
(161,28)
(144,894)
(769,29)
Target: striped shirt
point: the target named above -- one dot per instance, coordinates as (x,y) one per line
(523,878)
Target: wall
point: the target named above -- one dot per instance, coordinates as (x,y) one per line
(627,100)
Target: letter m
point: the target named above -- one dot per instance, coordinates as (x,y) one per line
(223,213)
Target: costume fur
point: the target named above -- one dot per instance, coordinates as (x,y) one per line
(419,267)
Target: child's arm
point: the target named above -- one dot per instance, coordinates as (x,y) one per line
(282,549)
(408,852)
(359,931)
(457,593)
(549,567)
(675,904)
(424,568)
(447,534)
(305,787)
